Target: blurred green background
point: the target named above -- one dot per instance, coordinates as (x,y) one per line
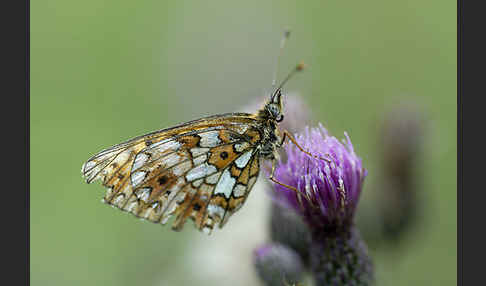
(105,71)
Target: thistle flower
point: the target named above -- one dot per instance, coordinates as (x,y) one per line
(277,265)
(329,188)
(328,192)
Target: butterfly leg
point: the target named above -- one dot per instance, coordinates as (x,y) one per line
(299,194)
(274,161)
(292,139)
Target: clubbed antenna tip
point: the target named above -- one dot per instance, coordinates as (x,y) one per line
(301,66)
(298,68)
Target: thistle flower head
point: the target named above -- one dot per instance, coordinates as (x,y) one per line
(328,187)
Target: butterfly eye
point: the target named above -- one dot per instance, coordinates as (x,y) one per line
(280,118)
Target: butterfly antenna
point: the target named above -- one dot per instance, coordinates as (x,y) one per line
(300,66)
(297,68)
(285,36)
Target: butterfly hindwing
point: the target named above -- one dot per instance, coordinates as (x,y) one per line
(231,188)
(244,183)
(182,171)
(212,193)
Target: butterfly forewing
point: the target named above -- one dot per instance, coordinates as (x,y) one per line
(203,170)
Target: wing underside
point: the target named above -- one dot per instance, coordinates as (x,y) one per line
(202,170)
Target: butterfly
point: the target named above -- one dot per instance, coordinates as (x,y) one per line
(203,169)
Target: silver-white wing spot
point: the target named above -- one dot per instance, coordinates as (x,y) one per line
(243,159)
(138,177)
(215,210)
(225,184)
(197,183)
(143,194)
(172,159)
(200,171)
(196,151)
(213,179)
(131,206)
(88,165)
(200,159)
(209,139)
(140,160)
(182,168)
(166,148)
(239,190)
(239,147)
(167,144)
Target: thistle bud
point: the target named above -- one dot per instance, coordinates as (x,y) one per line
(277,265)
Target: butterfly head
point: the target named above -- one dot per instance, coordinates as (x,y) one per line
(274,108)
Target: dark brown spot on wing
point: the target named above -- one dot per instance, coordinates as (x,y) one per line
(185,208)
(160,183)
(216,157)
(223,155)
(202,199)
(162,180)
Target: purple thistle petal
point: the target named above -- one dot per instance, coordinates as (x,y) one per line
(329,191)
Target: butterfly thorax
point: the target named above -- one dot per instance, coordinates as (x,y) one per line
(269,116)
(271,140)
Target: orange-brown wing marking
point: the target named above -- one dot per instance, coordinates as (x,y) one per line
(114,165)
(105,162)
(230,188)
(239,178)
(223,158)
(242,190)
(164,176)
(168,189)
